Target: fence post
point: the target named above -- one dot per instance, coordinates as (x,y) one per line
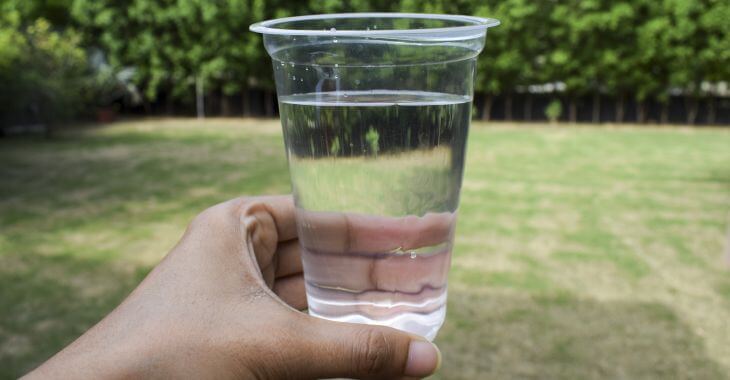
(199,98)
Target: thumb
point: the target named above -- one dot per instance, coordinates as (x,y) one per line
(338,349)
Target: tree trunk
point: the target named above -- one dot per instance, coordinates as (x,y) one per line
(528,108)
(641,112)
(487,107)
(692,107)
(572,110)
(169,105)
(620,102)
(199,98)
(664,115)
(245,106)
(596,116)
(268,103)
(147,106)
(508,107)
(711,113)
(225,105)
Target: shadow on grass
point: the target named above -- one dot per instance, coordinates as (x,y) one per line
(74,209)
(93,175)
(47,302)
(494,335)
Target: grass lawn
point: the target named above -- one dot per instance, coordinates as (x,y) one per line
(582,253)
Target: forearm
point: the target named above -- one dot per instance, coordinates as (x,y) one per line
(101,352)
(126,345)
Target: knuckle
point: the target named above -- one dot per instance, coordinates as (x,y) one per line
(201,220)
(374,352)
(218,216)
(209,217)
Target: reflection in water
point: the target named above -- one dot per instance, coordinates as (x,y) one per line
(376,179)
(377,269)
(382,153)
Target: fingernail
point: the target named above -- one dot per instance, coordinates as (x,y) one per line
(424,358)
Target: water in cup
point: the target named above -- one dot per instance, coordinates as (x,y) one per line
(376,178)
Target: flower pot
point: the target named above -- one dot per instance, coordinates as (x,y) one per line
(105,115)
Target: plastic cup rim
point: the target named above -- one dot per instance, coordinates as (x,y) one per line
(473,24)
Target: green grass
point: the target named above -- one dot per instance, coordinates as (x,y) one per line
(582,253)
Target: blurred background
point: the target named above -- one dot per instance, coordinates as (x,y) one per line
(590,61)
(593,239)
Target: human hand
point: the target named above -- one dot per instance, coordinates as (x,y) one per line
(222,305)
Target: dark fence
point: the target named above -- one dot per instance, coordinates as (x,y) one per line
(603,109)
(516,107)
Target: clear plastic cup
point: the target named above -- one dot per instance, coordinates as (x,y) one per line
(375,109)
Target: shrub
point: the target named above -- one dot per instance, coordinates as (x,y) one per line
(42,72)
(553,111)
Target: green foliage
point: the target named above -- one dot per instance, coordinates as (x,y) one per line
(553,111)
(335,147)
(515,51)
(172,43)
(641,48)
(42,71)
(638,49)
(373,138)
(55,11)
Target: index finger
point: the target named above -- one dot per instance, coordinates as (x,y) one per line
(344,233)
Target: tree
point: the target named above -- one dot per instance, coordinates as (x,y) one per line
(620,58)
(175,44)
(655,53)
(514,53)
(640,49)
(715,54)
(55,12)
(700,40)
(685,39)
(42,71)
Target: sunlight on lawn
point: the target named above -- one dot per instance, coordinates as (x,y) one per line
(580,252)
